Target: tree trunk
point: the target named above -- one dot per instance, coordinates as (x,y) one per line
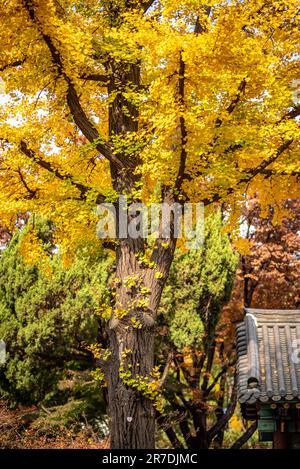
(202,431)
(281,440)
(131,413)
(132,355)
(131,329)
(131,334)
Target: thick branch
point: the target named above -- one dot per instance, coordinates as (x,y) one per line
(166,370)
(17,63)
(200,28)
(79,115)
(245,437)
(147,4)
(183,129)
(234,102)
(221,373)
(228,414)
(63,177)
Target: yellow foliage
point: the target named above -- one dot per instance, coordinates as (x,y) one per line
(235,423)
(33,252)
(240,84)
(242,245)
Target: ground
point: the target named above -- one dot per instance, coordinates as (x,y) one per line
(18,431)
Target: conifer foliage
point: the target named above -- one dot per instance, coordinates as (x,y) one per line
(47,321)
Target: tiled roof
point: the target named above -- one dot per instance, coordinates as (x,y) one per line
(267,346)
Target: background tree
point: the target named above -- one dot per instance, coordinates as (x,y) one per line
(48,319)
(199,285)
(274,258)
(196,95)
(269,274)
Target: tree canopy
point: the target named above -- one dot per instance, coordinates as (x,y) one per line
(212,112)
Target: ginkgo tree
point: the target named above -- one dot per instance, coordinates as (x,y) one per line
(162,101)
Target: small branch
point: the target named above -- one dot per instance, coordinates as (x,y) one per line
(218,122)
(31,192)
(166,370)
(270,172)
(209,363)
(17,63)
(221,373)
(199,28)
(61,359)
(47,411)
(147,4)
(295,112)
(167,427)
(63,177)
(245,437)
(104,365)
(228,414)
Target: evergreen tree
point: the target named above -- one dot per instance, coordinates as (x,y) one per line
(47,321)
(199,285)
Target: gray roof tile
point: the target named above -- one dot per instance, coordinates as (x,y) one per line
(267,344)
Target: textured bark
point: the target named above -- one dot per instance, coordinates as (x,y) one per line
(132,414)
(132,349)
